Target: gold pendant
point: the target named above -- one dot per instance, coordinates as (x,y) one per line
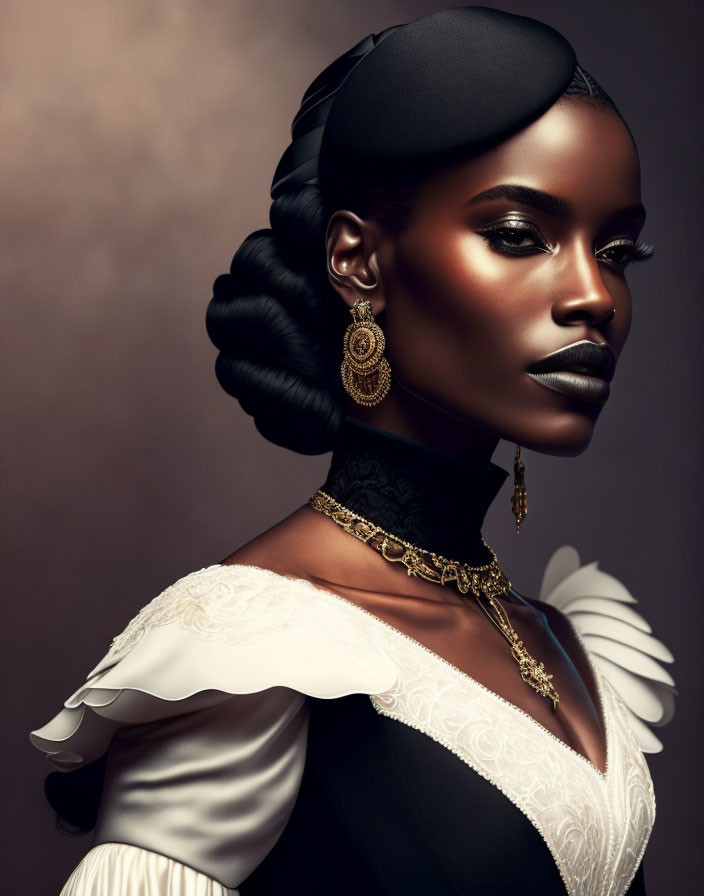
(534,674)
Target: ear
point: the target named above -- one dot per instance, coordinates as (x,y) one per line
(352,263)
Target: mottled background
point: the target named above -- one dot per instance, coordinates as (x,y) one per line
(139,139)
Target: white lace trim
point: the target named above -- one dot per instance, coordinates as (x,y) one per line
(595,825)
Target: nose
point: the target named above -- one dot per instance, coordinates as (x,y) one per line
(582,294)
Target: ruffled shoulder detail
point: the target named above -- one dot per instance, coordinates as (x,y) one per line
(215,633)
(619,640)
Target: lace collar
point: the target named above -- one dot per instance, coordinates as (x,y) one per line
(430,498)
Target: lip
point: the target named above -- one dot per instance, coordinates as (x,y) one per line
(577,385)
(591,360)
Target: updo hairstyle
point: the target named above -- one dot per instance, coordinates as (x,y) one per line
(275,318)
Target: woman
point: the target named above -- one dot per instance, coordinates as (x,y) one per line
(312,716)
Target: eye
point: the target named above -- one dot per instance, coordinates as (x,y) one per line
(514,236)
(621,252)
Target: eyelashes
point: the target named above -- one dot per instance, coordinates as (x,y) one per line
(516,236)
(624,251)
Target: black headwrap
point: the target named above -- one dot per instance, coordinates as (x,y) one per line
(455,81)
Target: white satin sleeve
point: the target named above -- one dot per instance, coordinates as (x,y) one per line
(201,704)
(619,640)
(122,870)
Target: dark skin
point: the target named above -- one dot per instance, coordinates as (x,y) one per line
(465,315)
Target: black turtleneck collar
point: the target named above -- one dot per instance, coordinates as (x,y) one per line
(429,498)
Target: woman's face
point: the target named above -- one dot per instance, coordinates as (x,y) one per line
(509,257)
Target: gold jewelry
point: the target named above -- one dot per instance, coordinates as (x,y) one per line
(486,583)
(366,374)
(519,499)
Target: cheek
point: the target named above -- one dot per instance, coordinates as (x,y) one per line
(462,305)
(439,282)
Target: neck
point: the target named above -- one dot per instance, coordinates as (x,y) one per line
(417,418)
(430,498)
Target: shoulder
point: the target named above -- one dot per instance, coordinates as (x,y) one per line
(586,604)
(215,633)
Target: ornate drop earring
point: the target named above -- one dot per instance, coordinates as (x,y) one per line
(519,499)
(366,374)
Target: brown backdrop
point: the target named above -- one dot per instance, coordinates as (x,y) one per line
(138,143)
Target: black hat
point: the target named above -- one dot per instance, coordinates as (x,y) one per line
(455,81)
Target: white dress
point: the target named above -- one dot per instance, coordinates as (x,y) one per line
(203,702)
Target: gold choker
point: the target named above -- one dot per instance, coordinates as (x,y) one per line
(486,583)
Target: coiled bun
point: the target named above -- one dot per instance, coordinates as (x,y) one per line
(273,319)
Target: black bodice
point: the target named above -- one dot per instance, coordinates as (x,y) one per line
(384,810)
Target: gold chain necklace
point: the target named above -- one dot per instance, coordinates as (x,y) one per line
(486,583)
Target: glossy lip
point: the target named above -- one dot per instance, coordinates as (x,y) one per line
(593,389)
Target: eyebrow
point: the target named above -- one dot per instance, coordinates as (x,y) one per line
(545,202)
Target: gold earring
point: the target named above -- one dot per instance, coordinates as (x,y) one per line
(366,374)
(519,499)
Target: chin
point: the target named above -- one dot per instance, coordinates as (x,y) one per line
(566,436)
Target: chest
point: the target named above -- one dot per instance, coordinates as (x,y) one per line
(464,636)
(439,786)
